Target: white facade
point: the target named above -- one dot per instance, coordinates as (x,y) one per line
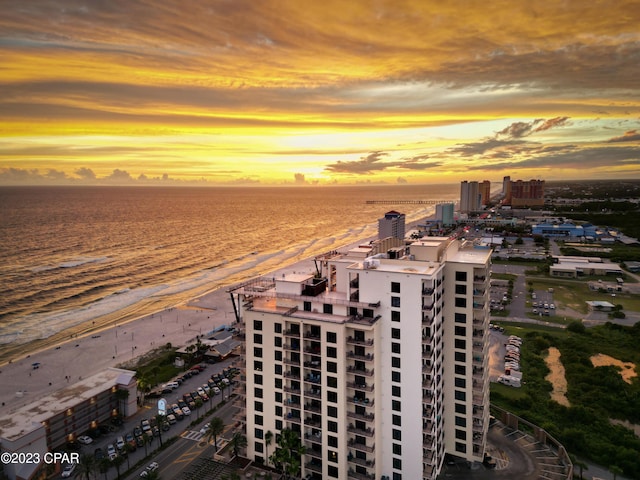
(391,225)
(470,197)
(380,367)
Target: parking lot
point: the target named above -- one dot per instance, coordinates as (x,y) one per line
(135,437)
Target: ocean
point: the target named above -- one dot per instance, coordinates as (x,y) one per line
(72,255)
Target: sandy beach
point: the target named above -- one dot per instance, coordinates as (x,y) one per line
(61,362)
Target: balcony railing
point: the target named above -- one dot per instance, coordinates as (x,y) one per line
(315,364)
(361,446)
(360,341)
(360,476)
(360,461)
(293,419)
(288,346)
(292,376)
(366,358)
(367,387)
(313,393)
(311,422)
(360,371)
(314,466)
(292,333)
(314,438)
(368,432)
(365,402)
(317,453)
(309,407)
(367,417)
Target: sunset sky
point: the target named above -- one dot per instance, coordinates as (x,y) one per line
(317,92)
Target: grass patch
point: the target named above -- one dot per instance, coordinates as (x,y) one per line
(597,394)
(503,276)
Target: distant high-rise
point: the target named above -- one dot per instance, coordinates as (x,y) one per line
(470,197)
(485,192)
(391,225)
(506,186)
(525,194)
(444,213)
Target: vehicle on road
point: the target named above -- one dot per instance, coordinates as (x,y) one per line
(152,467)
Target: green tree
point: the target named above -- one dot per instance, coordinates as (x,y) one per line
(127,450)
(216,427)
(198,402)
(117,462)
(146,440)
(287,457)
(238,442)
(616,471)
(268,437)
(86,467)
(104,466)
(160,420)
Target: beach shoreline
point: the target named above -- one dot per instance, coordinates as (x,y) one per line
(77,353)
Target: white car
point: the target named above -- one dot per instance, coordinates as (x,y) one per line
(205,429)
(552,306)
(152,467)
(111,452)
(68,470)
(186,411)
(216,391)
(85,439)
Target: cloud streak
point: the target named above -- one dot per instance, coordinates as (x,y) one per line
(235,91)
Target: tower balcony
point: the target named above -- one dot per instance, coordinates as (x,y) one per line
(427,319)
(313,421)
(315,438)
(367,417)
(313,350)
(311,378)
(315,465)
(292,333)
(314,451)
(292,347)
(363,402)
(365,342)
(365,358)
(367,387)
(291,418)
(352,474)
(368,432)
(363,447)
(313,364)
(292,376)
(313,393)
(361,461)
(352,369)
(310,407)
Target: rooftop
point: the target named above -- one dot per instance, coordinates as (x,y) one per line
(28,417)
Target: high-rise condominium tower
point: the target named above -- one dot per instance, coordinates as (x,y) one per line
(378,364)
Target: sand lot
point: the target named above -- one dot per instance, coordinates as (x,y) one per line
(627,369)
(556,377)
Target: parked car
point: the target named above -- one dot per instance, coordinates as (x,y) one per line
(68,469)
(152,467)
(120,443)
(98,454)
(85,439)
(111,451)
(186,411)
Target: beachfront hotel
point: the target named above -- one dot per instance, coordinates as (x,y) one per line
(378,361)
(50,422)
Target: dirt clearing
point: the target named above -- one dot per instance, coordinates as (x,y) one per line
(556,377)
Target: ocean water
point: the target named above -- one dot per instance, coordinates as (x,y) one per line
(71,255)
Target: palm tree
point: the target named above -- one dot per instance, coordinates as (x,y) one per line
(238,441)
(580,464)
(160,419)
(145,441)
(216,427)
(86,466)
(268,437)
(198,402)
(104,466)
(127,450)
(144,384)
(118,461)
(288,454)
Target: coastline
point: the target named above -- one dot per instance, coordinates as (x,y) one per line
(77,353)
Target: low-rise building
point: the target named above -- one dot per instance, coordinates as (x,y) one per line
(52,421)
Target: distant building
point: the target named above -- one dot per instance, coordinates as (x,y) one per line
(444,213)
(391,225)
(506,186)
(470,198)
(485,192)
(573,267)
(525,194)
(49,422)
